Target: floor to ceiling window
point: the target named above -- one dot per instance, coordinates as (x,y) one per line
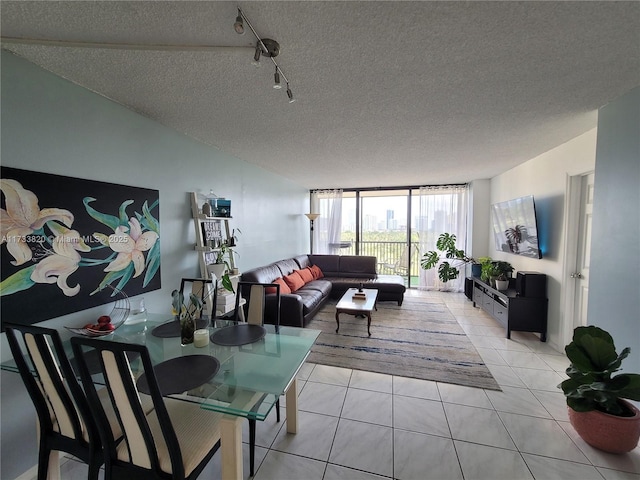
(395,225)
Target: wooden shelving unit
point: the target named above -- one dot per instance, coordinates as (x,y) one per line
(211,233)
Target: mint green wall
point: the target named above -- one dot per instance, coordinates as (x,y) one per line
(614,291)
(51,125)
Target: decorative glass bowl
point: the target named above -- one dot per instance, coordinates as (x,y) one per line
(119,313)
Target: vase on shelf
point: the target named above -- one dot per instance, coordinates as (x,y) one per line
(187,328)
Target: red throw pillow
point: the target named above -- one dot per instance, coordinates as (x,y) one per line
(306,275)
(294,281)
(284,288)
(317,273)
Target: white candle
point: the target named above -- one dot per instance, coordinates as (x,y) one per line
(201,338)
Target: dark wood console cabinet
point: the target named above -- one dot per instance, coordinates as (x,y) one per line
(526,314)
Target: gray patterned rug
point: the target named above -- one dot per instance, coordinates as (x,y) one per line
(420,339)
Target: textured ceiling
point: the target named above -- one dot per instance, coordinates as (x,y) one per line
(388,93)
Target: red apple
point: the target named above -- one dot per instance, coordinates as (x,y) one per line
(106,327)
(104,319)
(88,326)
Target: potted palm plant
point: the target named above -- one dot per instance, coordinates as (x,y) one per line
(595,398)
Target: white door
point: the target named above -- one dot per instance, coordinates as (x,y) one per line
(583,252)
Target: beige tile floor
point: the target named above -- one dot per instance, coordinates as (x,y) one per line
(362,426)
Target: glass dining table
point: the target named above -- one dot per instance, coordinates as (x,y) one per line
(249,380)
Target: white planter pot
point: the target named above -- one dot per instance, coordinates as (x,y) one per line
(218,269)
(502,284)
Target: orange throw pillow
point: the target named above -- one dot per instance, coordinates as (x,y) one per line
(284,288)
(317,273)
(306,275)
(294,281)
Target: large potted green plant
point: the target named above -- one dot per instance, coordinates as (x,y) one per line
(595,397)
(448,269)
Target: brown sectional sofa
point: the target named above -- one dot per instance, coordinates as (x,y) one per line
(340,273)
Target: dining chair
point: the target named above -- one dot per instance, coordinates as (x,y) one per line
(175,440)
(64,417)
(262,303)
(205,289)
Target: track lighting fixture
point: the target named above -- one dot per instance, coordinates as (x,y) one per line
(256,56)
(265,47)
(290,94)
(239,25)
(276,80)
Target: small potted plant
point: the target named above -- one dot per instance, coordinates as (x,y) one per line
(220,267)
(502,272)
(595,398)
(502,282)
(232,241)
(186,314)
(485,268)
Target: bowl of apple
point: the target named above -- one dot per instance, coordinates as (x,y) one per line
(106,324)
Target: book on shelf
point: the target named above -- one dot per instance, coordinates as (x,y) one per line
(226,299)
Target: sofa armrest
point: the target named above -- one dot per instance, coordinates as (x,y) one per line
(291,310)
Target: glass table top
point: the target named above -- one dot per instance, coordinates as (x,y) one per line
(251,377)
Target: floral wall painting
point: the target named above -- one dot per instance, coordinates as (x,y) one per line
(64,239)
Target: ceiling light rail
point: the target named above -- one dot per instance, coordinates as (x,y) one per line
(265,47)
(117,46)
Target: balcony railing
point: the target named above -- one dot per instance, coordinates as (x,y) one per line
(393,257)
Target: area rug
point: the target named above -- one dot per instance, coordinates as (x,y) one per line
(420,339)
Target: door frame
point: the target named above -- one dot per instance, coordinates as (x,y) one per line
(572,232)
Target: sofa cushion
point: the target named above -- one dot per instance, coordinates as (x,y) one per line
(287,266)
(329,264)
(316,272)
(311,298)
(284,288)
(294,281)
(306,274)
(322,286)
(265,274)
(302,261)
(358,265)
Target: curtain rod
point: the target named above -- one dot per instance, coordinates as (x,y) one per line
(408,187)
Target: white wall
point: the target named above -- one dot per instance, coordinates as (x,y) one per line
(614,290)
(546,178)
(53,126)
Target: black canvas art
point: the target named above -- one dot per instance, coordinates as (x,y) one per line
(65,241)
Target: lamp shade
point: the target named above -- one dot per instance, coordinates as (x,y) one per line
(312,216)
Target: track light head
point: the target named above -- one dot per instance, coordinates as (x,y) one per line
(290,94)
(256,56)
(276,80)
(239,25)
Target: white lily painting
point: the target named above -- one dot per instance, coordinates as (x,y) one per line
(59,244)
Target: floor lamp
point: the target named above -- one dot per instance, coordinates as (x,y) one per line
(312,217)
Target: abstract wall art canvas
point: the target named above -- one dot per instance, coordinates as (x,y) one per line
(64,240)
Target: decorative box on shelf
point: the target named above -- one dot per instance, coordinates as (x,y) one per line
(226,299)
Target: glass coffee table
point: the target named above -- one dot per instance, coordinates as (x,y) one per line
(360,307)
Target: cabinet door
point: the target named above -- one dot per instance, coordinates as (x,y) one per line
(500,312)
(487,303)
(528,314)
